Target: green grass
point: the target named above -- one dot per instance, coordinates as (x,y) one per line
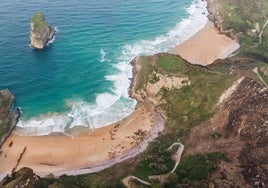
(241,16)
(143,74)
(263,73)
(197,167)
(157,159)
(185,107)
(190,105)
(38,21)
(170,63)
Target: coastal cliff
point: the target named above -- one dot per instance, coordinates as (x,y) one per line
(8,119)
(41,32)
(224,129)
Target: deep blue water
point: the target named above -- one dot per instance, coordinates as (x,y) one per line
(82,77)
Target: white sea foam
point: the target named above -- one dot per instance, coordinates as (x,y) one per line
(103,57)
(113,106)
(183,30)
(53,38)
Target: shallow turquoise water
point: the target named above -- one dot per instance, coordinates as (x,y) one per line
(82,78)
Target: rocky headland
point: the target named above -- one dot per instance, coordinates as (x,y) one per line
(41,32)
(219,111)
(8,118)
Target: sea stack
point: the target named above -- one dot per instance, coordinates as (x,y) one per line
(41,32)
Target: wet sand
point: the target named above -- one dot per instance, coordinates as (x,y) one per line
(87,152)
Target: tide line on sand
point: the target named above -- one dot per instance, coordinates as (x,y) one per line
(85,152)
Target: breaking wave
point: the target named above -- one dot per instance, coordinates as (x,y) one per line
(114,105)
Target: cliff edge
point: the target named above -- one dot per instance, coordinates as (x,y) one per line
(41,32)
(8,119)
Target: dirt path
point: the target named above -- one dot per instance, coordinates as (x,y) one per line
(254,46)
(128,178)
(260,35)
(177,155)
(257,72)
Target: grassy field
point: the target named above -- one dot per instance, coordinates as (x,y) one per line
(144,72)
(190,105)
(243,17)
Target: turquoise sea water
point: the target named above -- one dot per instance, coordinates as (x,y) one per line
(82,77)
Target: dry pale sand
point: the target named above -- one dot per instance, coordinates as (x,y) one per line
(206,46)
(88,152)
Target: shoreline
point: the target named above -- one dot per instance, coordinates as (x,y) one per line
(101,110)
(119,141)
(110,145)
(206,46)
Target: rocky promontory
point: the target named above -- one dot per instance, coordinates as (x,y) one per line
(41,32)
(8,118)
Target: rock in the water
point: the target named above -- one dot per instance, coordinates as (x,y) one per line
(41,32)
(8,119)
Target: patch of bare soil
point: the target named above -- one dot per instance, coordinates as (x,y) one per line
(240,130)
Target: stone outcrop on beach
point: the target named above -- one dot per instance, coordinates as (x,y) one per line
(215,15)
(25,177)
(41,32)
(8,119)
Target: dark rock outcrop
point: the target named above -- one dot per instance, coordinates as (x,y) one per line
(8,118)
(41,32)
(23,178)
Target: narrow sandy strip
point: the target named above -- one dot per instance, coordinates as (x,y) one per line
(88,152)
(206,46)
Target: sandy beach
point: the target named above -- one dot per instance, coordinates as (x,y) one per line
(86,152)
(206,46)
(95,150)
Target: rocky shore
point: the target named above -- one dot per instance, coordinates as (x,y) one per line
(8,118)
(216,16)
(41,32)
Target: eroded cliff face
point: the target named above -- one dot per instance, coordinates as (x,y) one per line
(8,118)
(41,32)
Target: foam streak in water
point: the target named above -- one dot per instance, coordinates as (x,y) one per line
(103,56)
